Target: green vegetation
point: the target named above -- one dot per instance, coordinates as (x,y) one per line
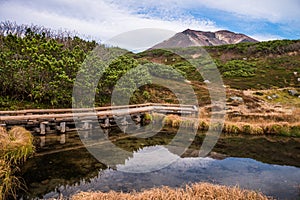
(257,49)
(38,70)
(39,67)
(162,57)
(261,65)
(15,147)
(279,96)
(238,68)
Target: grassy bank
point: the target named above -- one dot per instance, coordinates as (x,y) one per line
(16,146)
(234,127)
(193,192)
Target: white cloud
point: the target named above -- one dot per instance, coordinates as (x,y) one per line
(253,15)
(273,11)
(99,19)
(103,19)
(266,37)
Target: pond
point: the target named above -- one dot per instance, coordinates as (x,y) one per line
(62,165)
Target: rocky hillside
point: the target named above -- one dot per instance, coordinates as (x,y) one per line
(189,38)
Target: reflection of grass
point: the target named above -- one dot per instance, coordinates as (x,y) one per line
(194,191)
(15,146)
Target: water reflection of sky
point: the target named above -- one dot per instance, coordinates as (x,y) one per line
(279,181)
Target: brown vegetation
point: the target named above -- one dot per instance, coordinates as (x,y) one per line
(194,192)
(16,146)
(260,127)
(176,121)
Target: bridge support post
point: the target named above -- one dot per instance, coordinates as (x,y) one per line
(123,128)
(106,123)
(106,131)
(124,122)
(43,141)
(62,139)
(62,127)
(43,128)
(86,125)
(196,111)
(138,118)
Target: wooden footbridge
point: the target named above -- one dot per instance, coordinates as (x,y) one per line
(46,120)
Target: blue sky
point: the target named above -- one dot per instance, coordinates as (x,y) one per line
(103,19)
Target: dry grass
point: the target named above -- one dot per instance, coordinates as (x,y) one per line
(273,123)
(236,127)
(176,121)
(196,191)
(271,128)
(8,182)
(16,146)
(3,137)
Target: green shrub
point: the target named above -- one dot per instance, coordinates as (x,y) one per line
(238,68)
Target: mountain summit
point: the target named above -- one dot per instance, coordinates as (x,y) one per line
(190,37)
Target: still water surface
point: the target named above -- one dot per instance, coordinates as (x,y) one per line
(63,167)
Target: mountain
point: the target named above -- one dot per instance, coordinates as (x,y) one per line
(200,38)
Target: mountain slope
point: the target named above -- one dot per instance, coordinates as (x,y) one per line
(189,38)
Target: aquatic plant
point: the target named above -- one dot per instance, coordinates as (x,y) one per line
(172,121)
(277,129)
(231,129)
(176,121)
(147,117)
(203,125)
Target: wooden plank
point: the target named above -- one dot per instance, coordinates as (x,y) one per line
(66,110)
(74,115)
(56,115)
